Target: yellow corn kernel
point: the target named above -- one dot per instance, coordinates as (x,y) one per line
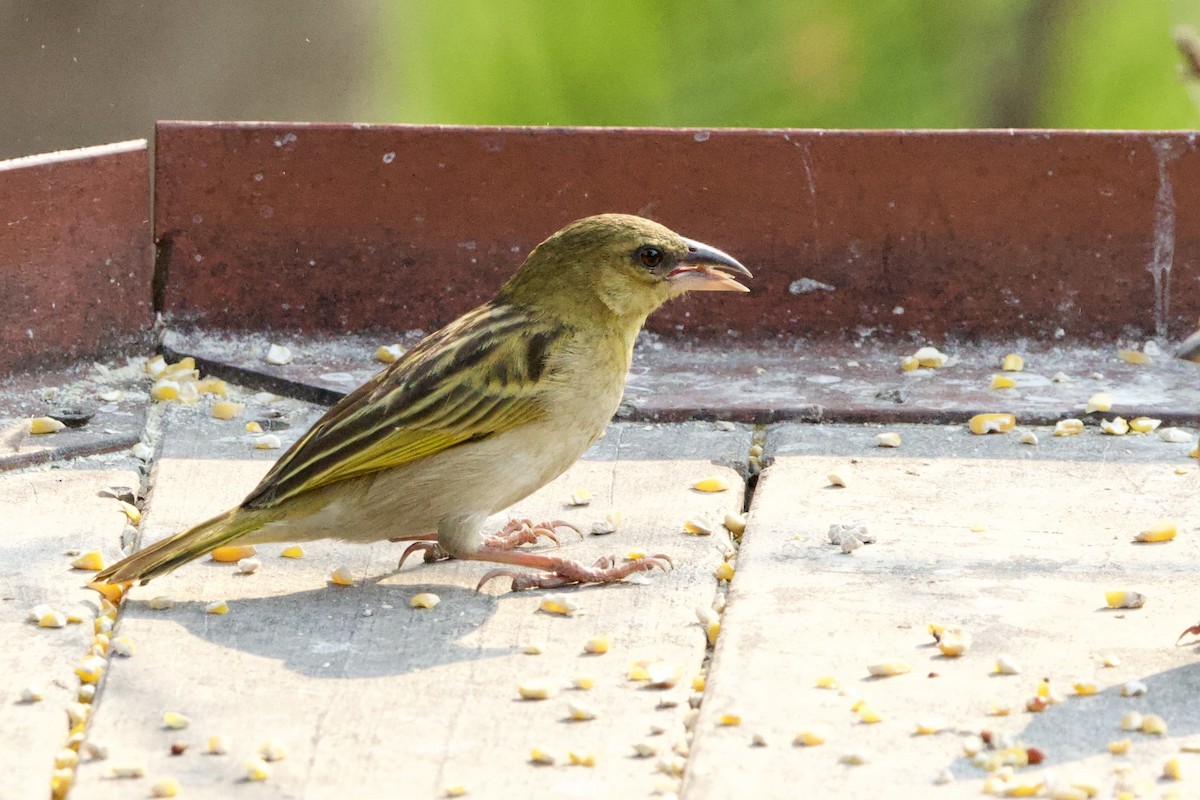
(90,669)
(227,409)
(267,441)
(887,439)
(1100,401)
(1144,424)
(1124,599)
(810,737)
(111,592)
(1171,770)
(1043,689)
(909,364)
(342,576)
(1012,363)
(889,668)
(155,366)
(257,769)
(729,720)
(185,364)
(213,386)
(712,630)
(1088,788)
(534,690)
(580,712)
(587,759)
(698,526)
(175,721)
(1162,531)
(1117,426)
(712,483)
(698,683)
(423,600)
(165,787)
(868,715)
(253,427)
(1120,747)
(41,425)
(724,572)
(1133,356)
(217,607)
(292,551)
(827,682)
(74,616)
(1024,788)
(991,423)
(165,389)
(998,709)
(92,560)
(929,727)
(596,645)
(216,745)
(540,757)
(558,604)
(132,512)
(638,672)
(580,497)
(122,646)
(455,790)
(583,682)
(273,750)
(1084,688)
(65,759)
(1068,427)
(233,553)
(1002,382)
(389,353)
(735,523)
(930,357)
(52,619)
(1154,725)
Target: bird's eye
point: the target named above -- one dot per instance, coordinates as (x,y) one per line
(650,256)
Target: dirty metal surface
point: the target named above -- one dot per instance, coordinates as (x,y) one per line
(974,233)
(812,381)
(75,256)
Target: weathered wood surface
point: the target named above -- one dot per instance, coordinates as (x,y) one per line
(1057,518)
(375,699)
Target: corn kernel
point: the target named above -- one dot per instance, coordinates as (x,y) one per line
(928,727)
(887,439)
(853,759)
(216,745)
(868,715)
(1120,747)
(273,750)
(1133,357)
(175,721)
(534,690)
(1110,660)
(541,757)
(1124,599)
(342,576)
(253,427)
(1089,789)
(810,737)
(580,712)
(52,619)
(279,355)
(888,668)
(1144,424)
(576,759)
(132,512)
(729,720)
(1174,435)
(735,523)
(165,389)
(1171,770)
(583,682)
(1162,531)
(596,645)
(128,770)
(424,600)
(838,476)
(827,682)
(1084,688)
(160,602)
(1132,721)
(1154,725)
(698,526)
(267,441)
(165,787)
(698,683)
(233,553)
(930,357)
(389,353)
(724,572)
(123,646)
(558,604)
(638,673)
(991,423)
(1117,426)
(663,674)
(213,386)
(155,366)
(1012,363)
(998,709)
(712,483)
(455,790)
(248,566)
(1024,788)
(32,694)
(292,551)
(1100,401)
(1134,689)
(226,409)
(1002,382)
(953,642)
(65,759)
(90,669)
(909,364)
(217,607)
(1068,427)
(712,631)
(92,560)
(43,425)
(257,769)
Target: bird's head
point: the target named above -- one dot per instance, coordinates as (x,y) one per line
(628,264)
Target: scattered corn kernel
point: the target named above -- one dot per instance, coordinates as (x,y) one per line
(52,619)
(868,715)
(638,672)
(342,576)
(583,682)
(1132,721)
(838,476)
(735,523)
(1154,724)
(1117,426)
(273,750)
(998,709)
(1120,747)
(424,600)
(42,425)
(580,712)
(644,750)
(279,355)
(292,551)
(1100,401)
(257,769)
(1174,435)
(226,409)
(233,554)
(1172,771)
(909,364)
(155,366)
(160,602)
(1110,660)
(887,439)
(217,745)
(1084,688)
(930,357)
(129,770)
(724,572)
(698,683)
(810,737)
(541,757)
(888,668)
(953,642)
(90,669)
(580,497)
(65,758)
(854,759)
(213,386)
(165,787)
(1124,599)
(267,441)
(248,566)
(729,720)
(1002,382)
(92,560)
(596,645)
(175,721)
(698,526)
(1162,531)
(1144,424)
(1024,788)
(534,690)
(389,353)
(1134,689)
(827,682)
(1133,356)
(576,759)
(991,423)
(32,694)
(123,646)
(165,389)
(132,512)
(1068,427)
(928,727)
(455,790)
(217,607)
(558,604)
(712,483)
(253,427)
(1012,363)
(712,630)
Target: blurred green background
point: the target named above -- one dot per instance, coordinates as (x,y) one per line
(79,72)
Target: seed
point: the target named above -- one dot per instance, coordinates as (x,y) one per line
(1110,660)
(65,759)
(213,386)
(991,423)
(1100,401)
(292,551)
(389,353)
(233,553)
(273,750)
(596,645)
(424,600)
(1144,424)
(160,602)
(583,682)
(253,427)
(267,441)
(580,712)
(558,604)
(576,759)
(1119,747)
(580,497)
(1133,356)
(279,355)
(928,727)
(909,364)
(887,439)
(1117,426)
(698,526)
(888,668)
(541,757)
(930,357)
(217,745)
(1028,437)
(217,607)
(729,720)
(712,483)
(128,770)
(810,737)
(534,690)
(1174,435)
(226,409)
(1006,665)
(257,769)
(868,715)
(1134,689)
(724,572)
(1162,531)
(1172,771)
(111,396)
(854,758)
(644,750)
(838,476)
(735,523)
(52,619)
(1012,363)
(1084,689)
(1154,724)
(32,694)
(698,683)
(827,682)
(1068,427)
(712,631)
(123,646)
(132,512)
(663,674)
(1124,599)
(1132,721)
(1002,382)
(175,721)
(42,425)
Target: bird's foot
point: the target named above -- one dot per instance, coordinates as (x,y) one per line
(433,552)
(562,572)
(523,531)
(1193,631)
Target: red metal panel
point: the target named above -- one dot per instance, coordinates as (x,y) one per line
(970,233)
(75,255)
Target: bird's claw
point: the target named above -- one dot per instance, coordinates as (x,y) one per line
(567,573)
(523,531)
(1193,631)
(433,552)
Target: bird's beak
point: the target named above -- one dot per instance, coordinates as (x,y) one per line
(1190,349)
(701,271)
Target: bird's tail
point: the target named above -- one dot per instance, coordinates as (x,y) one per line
(174,551)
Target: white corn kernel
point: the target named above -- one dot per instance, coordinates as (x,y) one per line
(267,441)
(663,674)
(580,712)
(248,566)
(216,607)
(1134,689)
(342,576)
(122,646)
(838,476)
(889,668)
(698,526)
(1174,435)
(128,770)
(52,619)
(1006,665)
(424,600)
(160,602)
(887,439)
(279,355)
(1068,427)
(217,745)
(32,694)
(273,750)
(1132,721)
(1100,401)
(930,357)
(1028,437)
(735,523)
(1117,426)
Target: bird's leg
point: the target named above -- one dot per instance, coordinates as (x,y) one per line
(433,550)
(561,571)
(523,531)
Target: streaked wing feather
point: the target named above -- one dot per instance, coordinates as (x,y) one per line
(475,378)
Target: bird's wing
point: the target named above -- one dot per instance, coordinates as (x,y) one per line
(476,377)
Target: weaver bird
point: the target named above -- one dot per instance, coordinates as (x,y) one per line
(476,416)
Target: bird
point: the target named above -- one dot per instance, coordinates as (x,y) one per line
(475,417)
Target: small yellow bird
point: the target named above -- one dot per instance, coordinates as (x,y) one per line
(477,416)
